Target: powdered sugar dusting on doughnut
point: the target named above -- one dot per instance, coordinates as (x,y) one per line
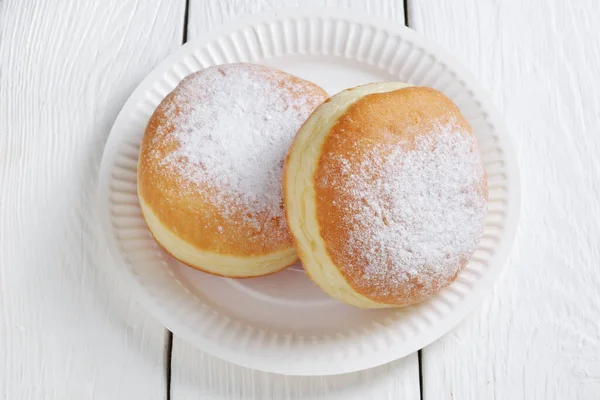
(211,158)
(233,126)
(417,214)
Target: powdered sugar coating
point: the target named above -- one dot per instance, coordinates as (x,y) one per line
(415,212)
(233,125)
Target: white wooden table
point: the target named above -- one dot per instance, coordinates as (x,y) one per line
(69,328)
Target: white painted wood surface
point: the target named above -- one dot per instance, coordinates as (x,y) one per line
(69,329)
(196,375)
(538,335)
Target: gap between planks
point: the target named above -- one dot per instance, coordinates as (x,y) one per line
(169,336)
(167,358)
(419,354)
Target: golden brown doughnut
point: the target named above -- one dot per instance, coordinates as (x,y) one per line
(386,194)
(210,166)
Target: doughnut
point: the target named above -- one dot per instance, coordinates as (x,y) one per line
(385,194)
(211,163)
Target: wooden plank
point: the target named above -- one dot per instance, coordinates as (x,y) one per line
(196,375)
(69,327)
(205,15)
(537,336)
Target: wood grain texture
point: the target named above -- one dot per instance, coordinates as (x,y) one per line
(205,15)
(537,336)
(69,329)
(196,375)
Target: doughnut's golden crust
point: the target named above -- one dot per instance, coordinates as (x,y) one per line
(198,222)
(392,113)
(369,119)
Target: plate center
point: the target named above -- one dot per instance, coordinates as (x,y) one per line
(287,301)
(291,286)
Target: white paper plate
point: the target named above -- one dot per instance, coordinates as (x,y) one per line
(283,323)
